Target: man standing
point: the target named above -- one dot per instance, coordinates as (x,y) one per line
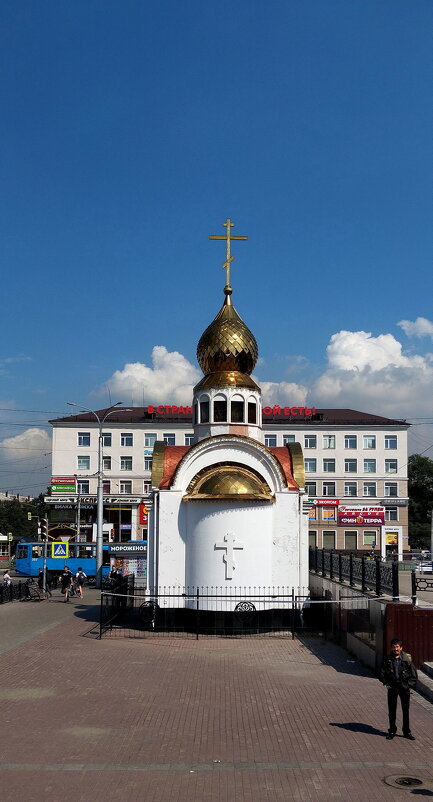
(399,675)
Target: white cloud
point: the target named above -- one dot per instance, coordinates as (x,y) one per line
(29,445)
(421,327)
(373,374)
(25,462)
(283,393)
(170,379)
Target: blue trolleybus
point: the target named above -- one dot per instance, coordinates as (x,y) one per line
(29,558)
(129,557)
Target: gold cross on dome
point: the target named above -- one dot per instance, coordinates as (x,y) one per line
(228,237)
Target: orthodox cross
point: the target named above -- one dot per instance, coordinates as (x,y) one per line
(230,543)
(228,237)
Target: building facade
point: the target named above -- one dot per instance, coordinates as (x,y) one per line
(355,470)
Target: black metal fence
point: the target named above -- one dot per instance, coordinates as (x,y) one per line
(368,573)
(420,583)
(191,612)
(13,592)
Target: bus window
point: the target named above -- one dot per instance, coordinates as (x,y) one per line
(85,550)
(21,552)
(36,552)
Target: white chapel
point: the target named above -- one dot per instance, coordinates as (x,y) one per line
(228,511)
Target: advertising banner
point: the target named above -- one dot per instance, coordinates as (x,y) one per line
(142,512)
(358,515)
(329,514)
(63,484)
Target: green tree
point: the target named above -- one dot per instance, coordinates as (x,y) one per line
(14,517)
(420,473)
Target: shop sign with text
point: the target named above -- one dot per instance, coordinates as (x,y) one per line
(357,515)
(63,484)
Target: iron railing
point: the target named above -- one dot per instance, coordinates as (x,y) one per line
(206,611)
(369,573)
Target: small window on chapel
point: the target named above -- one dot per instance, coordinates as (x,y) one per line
(220,411)
(237,410)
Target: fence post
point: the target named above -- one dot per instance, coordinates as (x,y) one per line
(197,613)
(323,563)
(340,567)
(413,582)
(350,569)
(331,572)
(293,613)
(100,617)
(377,562)
(395,589)
(363,588)
(316,559)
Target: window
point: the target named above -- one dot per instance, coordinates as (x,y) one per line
(310,466)
(390,441)
(311,488)
(126,487)
(126,439)
(169,438)
(220,411)
(149,440)
(189,439)
(350,488)
(106,439)
(252,412)
(148,463)
(369,489)
(83,486)
(369,538)
(310,441)
(329,465)
(146,488)
(83,463)
(204,411)
(350,540)
(329,539)
(390,466)
(288,438)
(391,513)
(106,463)
(329,488)
(237,411)
(329,441)
(270,440)
(312,540)
(106,486)
(350,465)
(369,441)
(391,489)
(369,466)
(350,441)
(126,463)
(84,439)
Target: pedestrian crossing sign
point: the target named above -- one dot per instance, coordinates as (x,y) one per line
(60,550)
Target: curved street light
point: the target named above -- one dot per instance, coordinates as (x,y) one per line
(99,495)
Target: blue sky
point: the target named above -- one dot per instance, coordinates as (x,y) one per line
(132,128)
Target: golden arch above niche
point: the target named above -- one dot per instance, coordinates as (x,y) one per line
(228,481)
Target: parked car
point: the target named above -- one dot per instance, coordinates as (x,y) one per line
(425,567)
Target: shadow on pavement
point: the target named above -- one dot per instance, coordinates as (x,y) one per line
(333,655)
(358,726)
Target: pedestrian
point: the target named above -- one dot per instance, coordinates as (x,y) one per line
(399,675)
(7,579)
(80,576)
(66,582)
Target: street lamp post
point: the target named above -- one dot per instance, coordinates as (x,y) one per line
(99,495)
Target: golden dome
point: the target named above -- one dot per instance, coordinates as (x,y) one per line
(228,481)
(227,344)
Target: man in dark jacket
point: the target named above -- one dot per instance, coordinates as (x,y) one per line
(399,675)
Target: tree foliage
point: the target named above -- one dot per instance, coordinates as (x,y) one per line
(14,517)
(420,473)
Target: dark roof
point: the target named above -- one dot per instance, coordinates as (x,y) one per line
(326,417)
